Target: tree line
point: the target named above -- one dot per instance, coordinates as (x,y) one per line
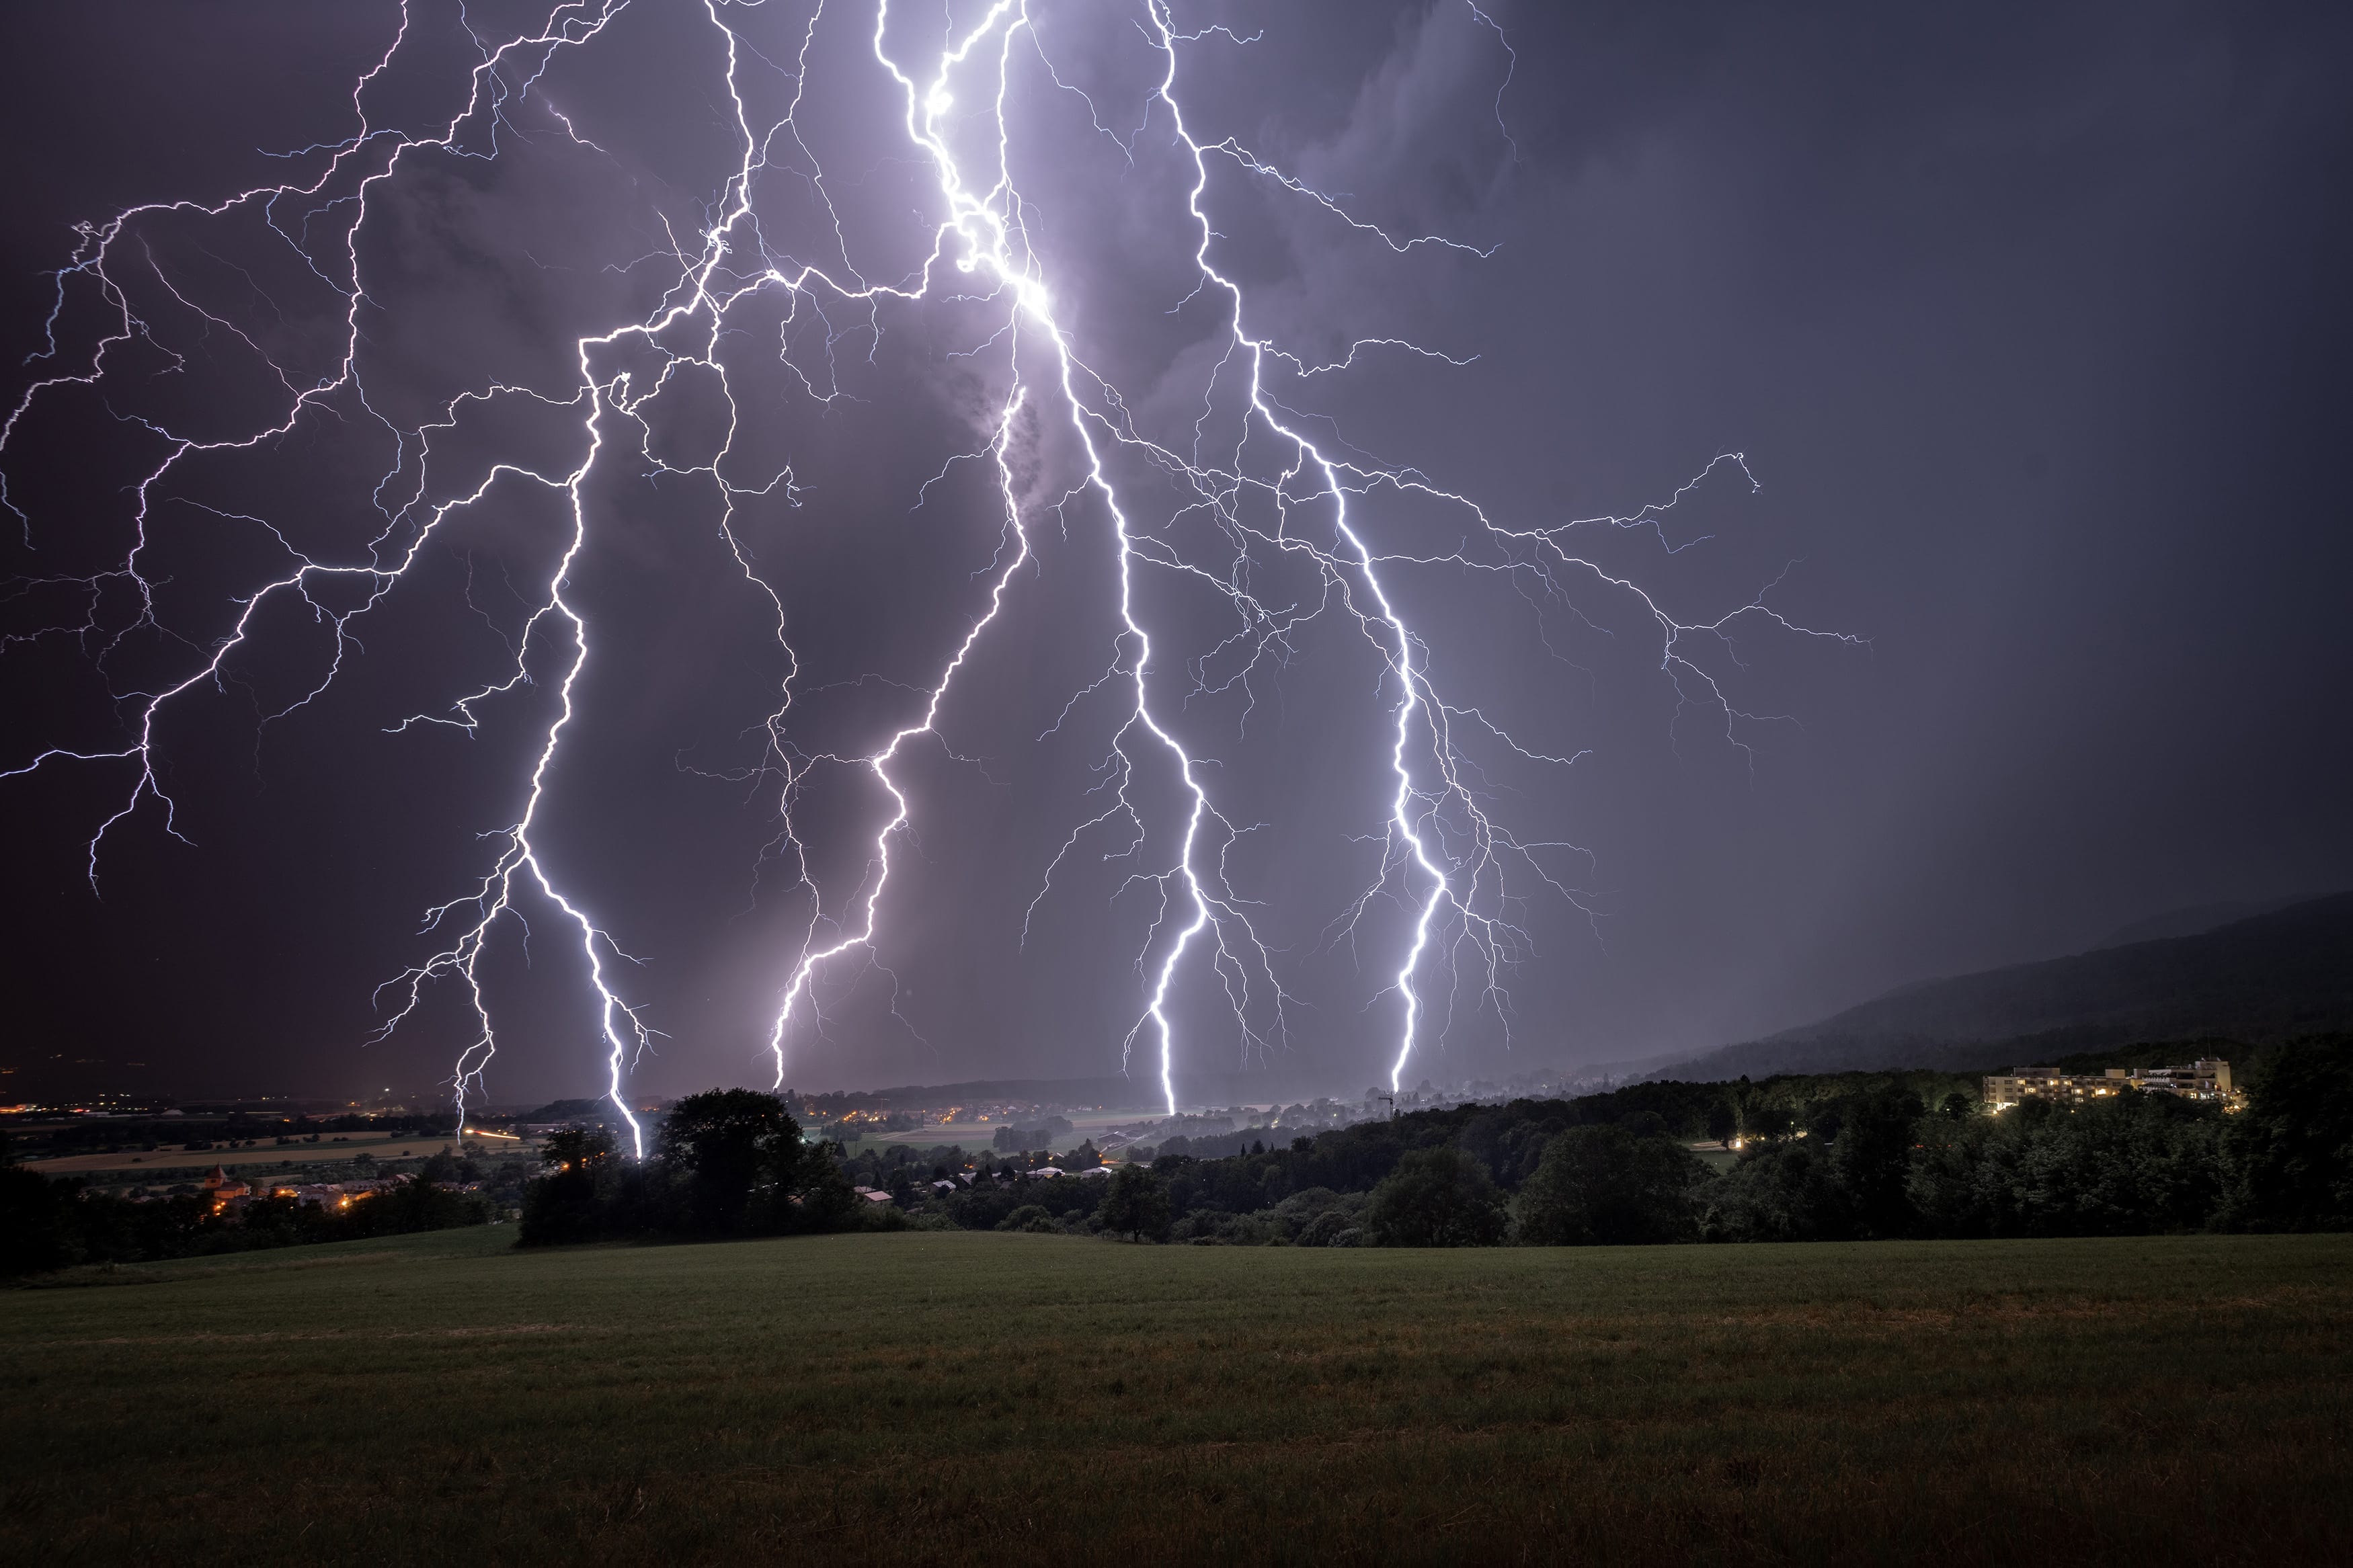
(1847,1156)
(51,1222)
(1853,1157)
(1843,1157)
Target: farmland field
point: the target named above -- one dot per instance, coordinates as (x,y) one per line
(955,1397)
(170,1161)
(981,1135)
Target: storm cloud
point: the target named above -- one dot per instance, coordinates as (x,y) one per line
(2028,323)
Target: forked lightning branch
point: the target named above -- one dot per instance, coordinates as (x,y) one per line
(1272,491)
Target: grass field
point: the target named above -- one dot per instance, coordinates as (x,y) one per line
(981,1135)
(961,1398)
(157,1162)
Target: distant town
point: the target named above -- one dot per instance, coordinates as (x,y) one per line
(319,1154)
(144,1146)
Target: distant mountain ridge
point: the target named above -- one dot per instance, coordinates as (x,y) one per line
(2194,921)
(2264,977)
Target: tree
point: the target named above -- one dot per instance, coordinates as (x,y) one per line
(565,1205)
(1604,1186)
(821,1198)
(736,1157)
(1767,1119)
(575,1149)
(1723,1121)
(2292,1148)
(1134,1204)
(35,1222)
(1437,1198)
(421,1205)
(1778,1192)
(1872,1158)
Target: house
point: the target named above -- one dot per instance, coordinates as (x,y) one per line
(1046,1171)
(221,1189)
(1095,1171)
(328,1195)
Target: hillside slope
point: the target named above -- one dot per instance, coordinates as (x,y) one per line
(2281,973)
(2196,920)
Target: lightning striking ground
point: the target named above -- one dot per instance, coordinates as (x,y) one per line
(1265,496)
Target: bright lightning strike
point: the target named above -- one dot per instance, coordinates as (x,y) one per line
(1269,496)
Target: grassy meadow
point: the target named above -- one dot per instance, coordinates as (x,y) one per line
(964,1398)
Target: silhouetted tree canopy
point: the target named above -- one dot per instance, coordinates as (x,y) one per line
(1134,1204)
(576,1148)
(1872,1161)
(725,1163)
(1606,1186)
(2292,1150)
(1437,1198)
(735,1157)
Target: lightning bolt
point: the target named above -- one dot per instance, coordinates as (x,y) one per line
(1250,479)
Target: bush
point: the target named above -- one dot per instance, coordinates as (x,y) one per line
(1309,1218)
(1326,1228)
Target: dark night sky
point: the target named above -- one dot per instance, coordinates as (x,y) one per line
(2031,321)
